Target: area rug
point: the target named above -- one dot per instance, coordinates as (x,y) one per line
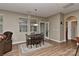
(23,48)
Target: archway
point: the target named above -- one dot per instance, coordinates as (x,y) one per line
(71,28)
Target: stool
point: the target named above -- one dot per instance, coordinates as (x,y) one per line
(77,49)
(77,42)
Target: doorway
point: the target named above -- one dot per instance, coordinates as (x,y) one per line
(44,28)
(71,28)
(66,31)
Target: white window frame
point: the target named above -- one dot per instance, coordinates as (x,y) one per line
(1,23)
(21,20)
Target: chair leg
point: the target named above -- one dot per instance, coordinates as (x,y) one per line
(31,46)
(77,50)
(27,45)
(43,42)
(36,45)
(40,44)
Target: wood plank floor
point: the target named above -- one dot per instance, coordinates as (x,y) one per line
(57,49)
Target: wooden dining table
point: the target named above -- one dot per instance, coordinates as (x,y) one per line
(34,39)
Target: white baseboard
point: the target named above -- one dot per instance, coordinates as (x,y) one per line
(50,39)
(62,41)
(18,42)
(58,40)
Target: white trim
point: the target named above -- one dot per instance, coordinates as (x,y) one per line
(39,25)
(69,39)
(46,37)
(58,40)
(48,29)
(55,40)
(62,41)
(18,42)
(45,28)
(50,39)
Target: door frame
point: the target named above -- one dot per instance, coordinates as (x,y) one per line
(45,28)
(66,31)
(48,29)
(71,32)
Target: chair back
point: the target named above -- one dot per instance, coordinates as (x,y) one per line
(8,34)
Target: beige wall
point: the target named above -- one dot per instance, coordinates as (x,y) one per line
(54,27)
(11,23)
(56,30)
(62,27)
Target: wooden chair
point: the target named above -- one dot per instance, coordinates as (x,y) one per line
(28,40)
(77,42)
(42,38)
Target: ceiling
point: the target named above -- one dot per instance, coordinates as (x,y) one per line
(40,9)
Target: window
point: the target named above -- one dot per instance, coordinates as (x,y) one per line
(1,24)
(32,25)
(23,25)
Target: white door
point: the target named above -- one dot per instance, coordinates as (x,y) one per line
(44,28)
(47,30)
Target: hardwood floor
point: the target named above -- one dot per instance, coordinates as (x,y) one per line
(57,49)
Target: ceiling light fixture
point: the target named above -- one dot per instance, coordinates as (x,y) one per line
(35,15)
(35,9)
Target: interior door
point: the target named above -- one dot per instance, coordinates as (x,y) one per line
(73,29)
(66,31)
(47,30)
(44,28)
